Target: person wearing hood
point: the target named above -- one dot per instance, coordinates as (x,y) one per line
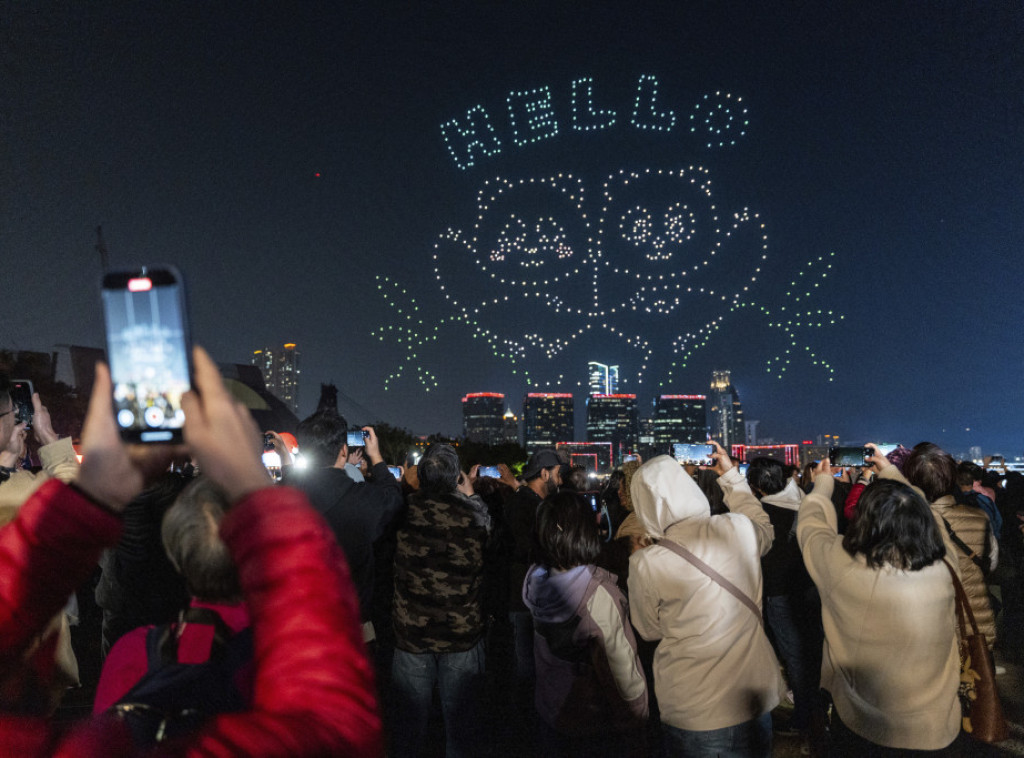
(792,607)
(715,673)
(591,693)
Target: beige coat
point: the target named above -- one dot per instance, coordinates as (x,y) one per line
(890,657)
(714,667)
(59,462)
(972,527)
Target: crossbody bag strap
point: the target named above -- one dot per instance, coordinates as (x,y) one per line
(705,569)
(978,560)
(964,613)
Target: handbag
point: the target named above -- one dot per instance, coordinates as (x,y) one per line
(983,716)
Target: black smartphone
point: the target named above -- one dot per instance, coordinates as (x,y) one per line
(885,448)
(21,396)
(848,456)
(698,455)
(150,351)
(357,438)
(491,472)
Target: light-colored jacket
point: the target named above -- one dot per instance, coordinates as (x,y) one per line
(890,658)
(714,667)
(973,528)
(59,462)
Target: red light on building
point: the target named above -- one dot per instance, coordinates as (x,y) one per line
(483,394)
(618,397)
(684,397)
(549,394)
(140,284)
(807,442)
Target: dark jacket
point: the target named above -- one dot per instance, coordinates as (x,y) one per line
(358,514)
(521,518)
(439,573)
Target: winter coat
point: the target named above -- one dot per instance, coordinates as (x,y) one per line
(714,667)
(588,675)
(313,688)
(890,658)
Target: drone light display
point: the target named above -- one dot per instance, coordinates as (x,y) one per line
(626,258)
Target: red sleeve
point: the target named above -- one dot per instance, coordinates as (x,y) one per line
(49,549)
(124,666)
(850,506)
(313,686)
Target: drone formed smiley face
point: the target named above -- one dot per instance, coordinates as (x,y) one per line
(665,245)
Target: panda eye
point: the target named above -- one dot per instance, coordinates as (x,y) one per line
(511,240)
(636,226)
(680,223)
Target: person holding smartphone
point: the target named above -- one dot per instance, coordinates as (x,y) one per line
(56,453)
(312,682)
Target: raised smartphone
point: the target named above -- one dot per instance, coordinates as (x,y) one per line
(150,351)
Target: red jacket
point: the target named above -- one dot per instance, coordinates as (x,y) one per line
(313,690)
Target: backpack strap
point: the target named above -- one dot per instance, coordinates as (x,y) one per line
(162,641)
(705,569)
(980,562)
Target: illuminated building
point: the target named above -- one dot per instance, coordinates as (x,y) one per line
(613,418)
(548,418)
(510,427)
(281,371)
(679,418)
(483,417)
(603,379)
(725,414)
(788,454)
(595,457)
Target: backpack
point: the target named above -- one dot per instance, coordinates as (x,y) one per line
(174,699)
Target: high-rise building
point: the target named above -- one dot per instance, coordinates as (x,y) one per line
(510,427)
(548,418)
(280,368)
(603,379)
(679,418)
(595,457)
(483,417)
(613,418)
(725,414)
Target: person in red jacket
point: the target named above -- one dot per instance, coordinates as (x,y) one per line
(313,692)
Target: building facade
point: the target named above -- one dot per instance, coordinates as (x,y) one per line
(679,418)
(483,417)
(548,418)
(602,379)
(724,412)
(613,418)
(280,369)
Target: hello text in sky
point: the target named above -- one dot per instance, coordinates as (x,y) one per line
(719,119)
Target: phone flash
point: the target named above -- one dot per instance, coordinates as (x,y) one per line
(140,284)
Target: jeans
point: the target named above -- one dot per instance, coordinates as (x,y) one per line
(751,739)
(459,678)
(795,624)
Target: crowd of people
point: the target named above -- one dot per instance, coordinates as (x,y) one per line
(347,610)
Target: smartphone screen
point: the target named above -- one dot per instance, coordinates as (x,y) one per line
(491,472)
(848,456)
(886,449)
(149,350)
(21,396)
(699,455)
(395,471)
(357,438)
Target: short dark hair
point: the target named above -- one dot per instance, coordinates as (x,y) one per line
(191,537)
(439,469)
(932,470)
(321,437)
(967,473)
(894,526)
(566,532)
(766,476)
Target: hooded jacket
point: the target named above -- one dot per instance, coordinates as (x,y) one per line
(714,667)
(588,674)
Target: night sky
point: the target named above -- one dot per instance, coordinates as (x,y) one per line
(290,159)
